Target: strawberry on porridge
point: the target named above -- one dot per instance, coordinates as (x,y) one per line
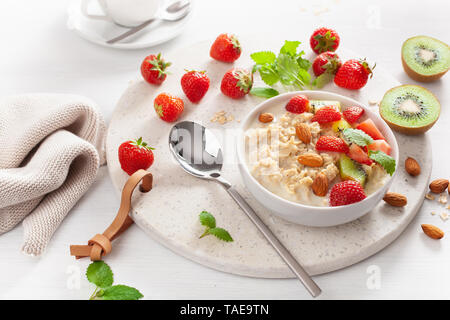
(309,150)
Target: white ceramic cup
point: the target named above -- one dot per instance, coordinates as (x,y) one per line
(127,13)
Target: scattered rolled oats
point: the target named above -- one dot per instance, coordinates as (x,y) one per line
(221,117)
(373,102)
(444,216)
(429,196)
(443,198)
(433,213)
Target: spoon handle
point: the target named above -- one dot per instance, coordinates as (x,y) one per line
(301,274)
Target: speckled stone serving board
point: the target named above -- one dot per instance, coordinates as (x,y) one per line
(169,213)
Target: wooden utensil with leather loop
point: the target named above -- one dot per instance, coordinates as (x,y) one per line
(100,244)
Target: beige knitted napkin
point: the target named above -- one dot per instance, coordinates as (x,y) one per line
(51,146)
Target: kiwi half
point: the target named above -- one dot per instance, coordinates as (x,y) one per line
(410,109)
(425,59)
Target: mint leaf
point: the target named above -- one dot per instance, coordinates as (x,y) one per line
(288,69)
(263,57)
(221,234)
(303,63)
(264,92)
(357,136)
(322,80)
(268,75)
(100,274)
(290,47)
(304,76)
(387,162)
(207,219)
(120,292)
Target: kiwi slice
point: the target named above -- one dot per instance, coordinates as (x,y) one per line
(425,59)
(317,104)
(410,109)
(350,170)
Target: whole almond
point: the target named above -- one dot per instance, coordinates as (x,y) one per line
(412,166)
(310,160)
(395,199)
(432,231)
(265,117)
(320,185)
(303,133)
(438,185)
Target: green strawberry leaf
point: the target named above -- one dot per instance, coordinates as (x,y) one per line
(357,136)
(120,292)
(264,92)
(221,234)
(207,219)
(263,57)
(100,274)
(387,162)
(290,47)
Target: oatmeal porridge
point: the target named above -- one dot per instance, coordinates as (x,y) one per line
(291,150)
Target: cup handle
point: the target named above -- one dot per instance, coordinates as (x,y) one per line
(85,6)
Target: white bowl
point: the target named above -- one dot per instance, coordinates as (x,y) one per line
(305,214)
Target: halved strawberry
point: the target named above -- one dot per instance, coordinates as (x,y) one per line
(352,114)
(326,114)
(332,144)
(371,129)
(346,192)
(380,145)
(357,153)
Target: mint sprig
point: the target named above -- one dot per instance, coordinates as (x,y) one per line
(100,274)
(264,92)
(289,67)
(387,162)
(208,220)
(357,136)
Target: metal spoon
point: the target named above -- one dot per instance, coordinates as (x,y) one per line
(199,154)
(174,12)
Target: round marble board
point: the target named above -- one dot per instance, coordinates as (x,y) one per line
(169,213)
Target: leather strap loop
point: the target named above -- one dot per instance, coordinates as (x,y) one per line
(100,244)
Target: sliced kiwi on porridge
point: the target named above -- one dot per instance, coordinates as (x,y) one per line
(351,170)
(317,104)
(425,59)
(410,109)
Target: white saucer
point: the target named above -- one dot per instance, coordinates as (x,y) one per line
(99,31)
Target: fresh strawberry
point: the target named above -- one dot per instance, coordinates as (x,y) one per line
(324,39)
(326,114)
(357,153)
(346,192)
(352,114)
(195,84)
(353,74)
(135,155)
(326,62)
(153,69)
(168,107)
(236,83)
(298,104)
(226,48)
(369,127)
(380,145)
(332,144)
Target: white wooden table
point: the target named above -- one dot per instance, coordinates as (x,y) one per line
(39,54)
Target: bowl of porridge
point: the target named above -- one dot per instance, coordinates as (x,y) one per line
(316,158)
